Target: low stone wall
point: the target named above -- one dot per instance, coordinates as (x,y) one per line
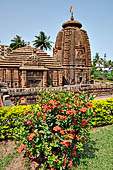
(31,95)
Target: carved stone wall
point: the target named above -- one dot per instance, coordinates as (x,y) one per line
(72,49)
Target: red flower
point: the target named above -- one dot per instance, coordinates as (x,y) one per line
(73,111)
(64,163)
(84,140)
(72,130)
(28,122)
(68,106)
(47,108)
(61,117)
(21,148)
(66,143)
(44,117)
(54,153)
(52,102)
(73,136)
(31,136)
(75,123)
(32,115)
(74,147)
(84,123)
(83,109)
(52,168)
(68,112)
(74,153)
(62,132)
(54,106)
(78,138)
(57,128)
(76,95)
(70,164)
(38,132)
(89,105)
(39,113)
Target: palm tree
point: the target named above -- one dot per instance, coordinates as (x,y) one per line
(42,41)
(17,43)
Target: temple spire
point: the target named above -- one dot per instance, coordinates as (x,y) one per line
(71,11)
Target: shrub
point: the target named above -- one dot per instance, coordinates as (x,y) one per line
(110,77)
(100,77)
(8,120)
(57,130)
(103,112)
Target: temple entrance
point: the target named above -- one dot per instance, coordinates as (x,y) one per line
(34,78)
(80,79)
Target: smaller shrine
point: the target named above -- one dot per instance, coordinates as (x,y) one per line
(29,67)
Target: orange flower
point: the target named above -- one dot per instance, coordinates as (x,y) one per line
(21,148)
(39,113)
(44,117)
(76,95)
(83,109)
(66,143)
(78,138)
(62,132)
(61,117)
(57,128)
(70,164)
(32,115)
(73,111)
(31,136)
(28,122)
(89,105)
(52,102)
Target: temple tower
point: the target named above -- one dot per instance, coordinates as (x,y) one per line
(72,49)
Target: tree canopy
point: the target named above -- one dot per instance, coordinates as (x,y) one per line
(17,43)
(42,41)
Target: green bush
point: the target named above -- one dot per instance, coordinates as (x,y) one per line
(100,77)
(57,130)
(8,120)
(103,112)
(110,77)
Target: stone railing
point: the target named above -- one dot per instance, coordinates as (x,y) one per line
(31,95)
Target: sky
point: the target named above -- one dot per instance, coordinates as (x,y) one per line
(27,18)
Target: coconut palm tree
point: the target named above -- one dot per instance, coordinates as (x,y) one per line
(17,43)
(42,41)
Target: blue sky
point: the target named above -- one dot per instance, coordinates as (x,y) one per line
(28,17)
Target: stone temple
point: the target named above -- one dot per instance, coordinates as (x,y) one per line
(72,49)
(70,64)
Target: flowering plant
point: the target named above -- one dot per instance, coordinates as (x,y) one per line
(54,133)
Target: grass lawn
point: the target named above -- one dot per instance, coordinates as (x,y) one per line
(98,156)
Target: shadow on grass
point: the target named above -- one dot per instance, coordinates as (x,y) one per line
(88,153)
(83,158)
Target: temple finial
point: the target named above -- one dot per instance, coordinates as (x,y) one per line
(71,11)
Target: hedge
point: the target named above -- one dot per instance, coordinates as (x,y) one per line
(8,119)
(103,115)
(103,112)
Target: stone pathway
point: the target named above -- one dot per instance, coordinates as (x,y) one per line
(103,97)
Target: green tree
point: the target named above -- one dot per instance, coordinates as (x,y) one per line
(17,43)
(42,41)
